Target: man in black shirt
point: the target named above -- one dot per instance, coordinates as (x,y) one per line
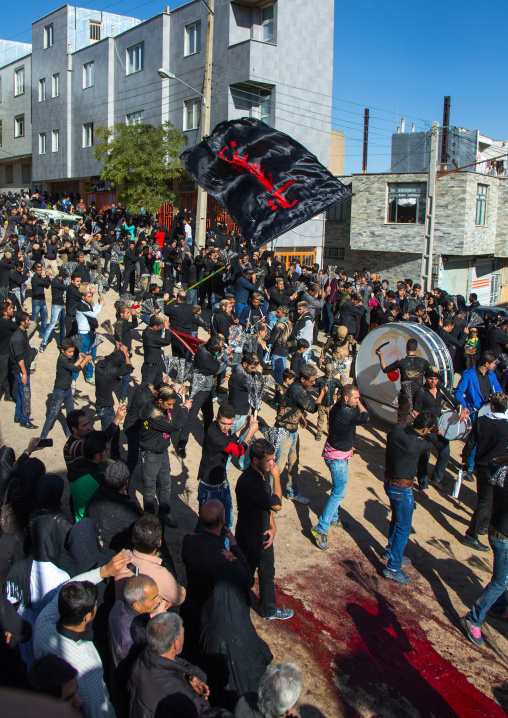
(239,396)
(107,373)
(58,289)
(21,358)
(452,343)
(72,301)
(129,262)
(7,329)
(39,284)
(255,527)
(404,445)
(62,390)
(430,397)
(180,316)
(153,343)
(496,339)
(219,445)
(127,321)
(411,370)
(489,436)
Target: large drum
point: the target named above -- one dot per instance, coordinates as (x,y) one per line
(379,390)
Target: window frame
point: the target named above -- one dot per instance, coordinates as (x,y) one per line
(266,22)
(55,85)
(419,194)
(55,134)
(21,70)
(196,115)
(24,179)
(480,219)
(334,253)
(187,40)
(42,143)
(21,119)
(95,24)
(85,130)
(49,36)
(88,75)
(42,89)
(128,65)
(131,120)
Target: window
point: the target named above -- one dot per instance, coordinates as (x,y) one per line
(42,89)
(135,58)
(255,101)
(134,118)
(19,126)
(95,31)
(334,252)
(87,75)
(88,134)
(55,140)
(9,174)
(42,143)
(481,205)
(193,38)
(55,85)
(267,23)
(406,202)
(48,36)
(337,213)
(26,173)
(191,114)
(19,81)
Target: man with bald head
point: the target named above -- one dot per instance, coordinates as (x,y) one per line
(180,316)
(205,558)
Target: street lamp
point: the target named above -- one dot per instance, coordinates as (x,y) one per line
(167,75)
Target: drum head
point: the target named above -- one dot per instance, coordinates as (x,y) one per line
(452,427)
(379,392)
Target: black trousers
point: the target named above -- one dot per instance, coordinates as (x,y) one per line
(115,273)
(4,375)
(262,560)
(129,279)
(152,372)
(203,401)
(481,517)
(69,321)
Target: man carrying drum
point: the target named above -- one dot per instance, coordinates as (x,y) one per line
(411,369)
(430,397)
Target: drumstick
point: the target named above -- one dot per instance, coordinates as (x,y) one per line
(378,401)
(382,345)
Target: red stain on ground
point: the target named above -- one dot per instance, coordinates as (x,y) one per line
(370,648)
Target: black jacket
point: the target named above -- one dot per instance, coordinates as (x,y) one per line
(160,687)
(20,350)
(157,427)
(142,396)
(221,323)
(343,423)
(180,317)
(72,300)
(239,392)
(490,436)
(113,515)
(152,345)
(39,284)
(349,314)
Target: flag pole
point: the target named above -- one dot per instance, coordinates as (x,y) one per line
(200,282)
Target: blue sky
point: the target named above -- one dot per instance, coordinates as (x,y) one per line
(397,58)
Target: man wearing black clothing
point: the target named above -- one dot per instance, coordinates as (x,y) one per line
(7,328)
(39,284)
(490,435)
(143,394)
(404,446)
(129,262)
(496,339)
(153,343)
(278,296)
(62,390)
(180,316)
(127,321)
(222,319)
(72,302)
(255,527)
(82,269)
(452,343)
(107,373)
(430,397)
(412,369)
(58,289)
(21,358)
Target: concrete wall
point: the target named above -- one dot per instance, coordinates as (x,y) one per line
(15,148)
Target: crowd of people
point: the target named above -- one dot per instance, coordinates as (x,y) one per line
(104,560)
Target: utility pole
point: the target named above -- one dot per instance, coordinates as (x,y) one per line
(365,139)
(202,199)
(428,247)
(444,136)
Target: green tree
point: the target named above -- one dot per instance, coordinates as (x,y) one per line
(142,158)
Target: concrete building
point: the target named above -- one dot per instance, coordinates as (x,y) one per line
(96,69)
(382,228)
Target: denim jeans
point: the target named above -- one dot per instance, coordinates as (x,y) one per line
(192,296)
(59,397)
(271,320)
(125,384)
(237,424)
(216,298)
(278,366)
(443,457)
(339,471)
(18,412)
(287,452)
(494,595)
(106,414)
(85,348)
(39,307)
(470,461)
(402,505)
(156,474)
(224,495)
(57,315)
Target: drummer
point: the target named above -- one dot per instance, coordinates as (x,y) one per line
(340,346)
(411,370)
(431,397)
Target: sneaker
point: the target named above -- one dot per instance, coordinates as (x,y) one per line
(320,537)
(41,349)
(299,499)
(281,614)
(405,560)
(215,400)
(318,437)
(90,381)
(339,524)
(73,385)
(169,521)
(474,633)
(398,576)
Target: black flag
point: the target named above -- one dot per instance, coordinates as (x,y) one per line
(268,182)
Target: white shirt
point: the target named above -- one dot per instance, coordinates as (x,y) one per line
(81,317)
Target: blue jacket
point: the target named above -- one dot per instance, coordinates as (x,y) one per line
(468,390)
(242,290)
(245,316)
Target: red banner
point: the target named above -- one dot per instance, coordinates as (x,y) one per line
(191,343)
